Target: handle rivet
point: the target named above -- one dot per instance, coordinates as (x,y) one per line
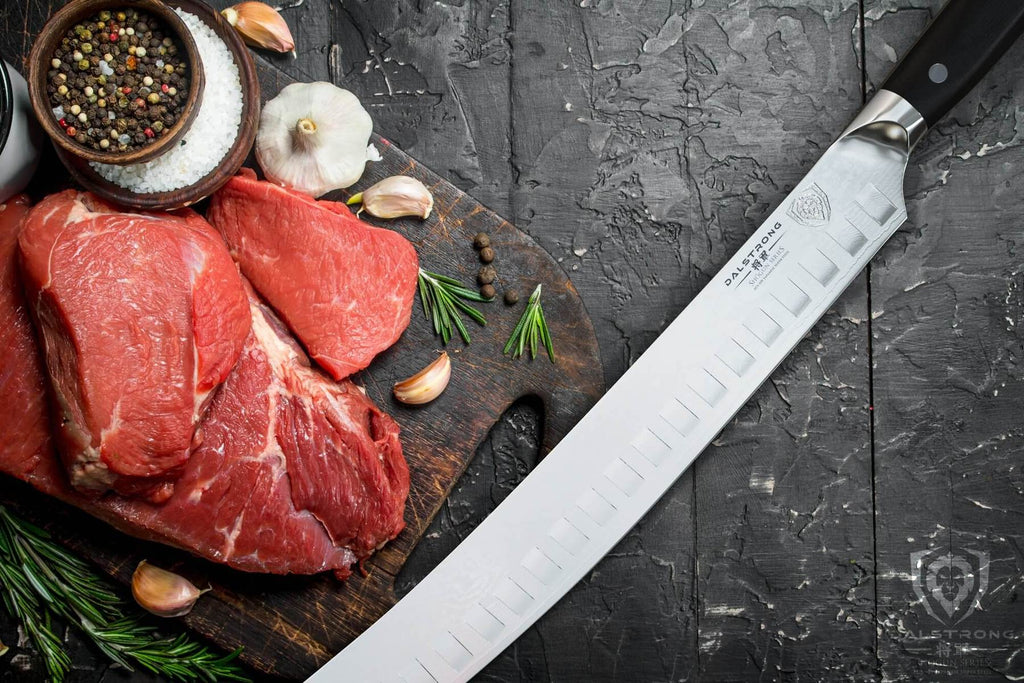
(938,73)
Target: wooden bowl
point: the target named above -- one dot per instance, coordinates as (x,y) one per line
(39,65)
(84,174)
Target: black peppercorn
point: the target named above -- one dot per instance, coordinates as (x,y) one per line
(486,275)
(481,240)
(511,297)
(487,291)
(486,255)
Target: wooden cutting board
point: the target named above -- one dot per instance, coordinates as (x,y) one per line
(289,626)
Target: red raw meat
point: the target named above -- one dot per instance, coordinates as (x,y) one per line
(296,473)
(25,445)
(344,288)
(140,317)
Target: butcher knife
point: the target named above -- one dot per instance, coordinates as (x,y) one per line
(636,441)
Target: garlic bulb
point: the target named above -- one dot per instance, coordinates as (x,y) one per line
(261,26)
(313,138)
(163,593)
(427,384)
(395,197)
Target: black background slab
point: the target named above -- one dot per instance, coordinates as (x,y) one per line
(640,143)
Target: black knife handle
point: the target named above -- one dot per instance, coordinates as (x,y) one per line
(959,46)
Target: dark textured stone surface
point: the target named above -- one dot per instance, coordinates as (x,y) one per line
(947,304)
(640,143)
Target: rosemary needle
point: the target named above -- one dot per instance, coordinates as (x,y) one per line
(531,331)
(41,581)
(443,299)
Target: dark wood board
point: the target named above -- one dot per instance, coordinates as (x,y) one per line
(289,626)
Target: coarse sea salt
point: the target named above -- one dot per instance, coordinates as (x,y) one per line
(212,133)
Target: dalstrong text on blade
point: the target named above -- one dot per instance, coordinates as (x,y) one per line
(757,257)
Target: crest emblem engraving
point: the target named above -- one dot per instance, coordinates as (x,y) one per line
(810,207)
(949,586)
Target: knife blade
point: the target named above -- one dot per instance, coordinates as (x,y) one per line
(639,438)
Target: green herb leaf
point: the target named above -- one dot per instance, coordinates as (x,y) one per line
(40,581)
(443,298)
(531,331)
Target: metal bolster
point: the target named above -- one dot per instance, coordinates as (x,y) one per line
(888,107)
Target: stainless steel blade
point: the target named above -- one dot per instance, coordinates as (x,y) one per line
(626,452)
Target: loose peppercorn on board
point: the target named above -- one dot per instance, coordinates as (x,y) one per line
(289,626)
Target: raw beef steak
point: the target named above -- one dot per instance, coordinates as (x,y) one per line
(140,318)
(344,288)
(25,445)
(296,473)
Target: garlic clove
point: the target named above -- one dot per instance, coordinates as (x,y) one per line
(427,384)
(395,197)
(261,26)
(163,593)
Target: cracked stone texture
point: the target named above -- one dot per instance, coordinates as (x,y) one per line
(641,143)
(947,298)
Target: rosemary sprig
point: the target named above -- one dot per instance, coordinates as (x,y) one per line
(42,581)
(531,330)
(443,298)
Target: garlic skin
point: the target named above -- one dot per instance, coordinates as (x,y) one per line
(261,26)
(163,593)
(314,138)
(427,384)
(395,197)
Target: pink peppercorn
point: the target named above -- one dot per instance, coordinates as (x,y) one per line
(149,133)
